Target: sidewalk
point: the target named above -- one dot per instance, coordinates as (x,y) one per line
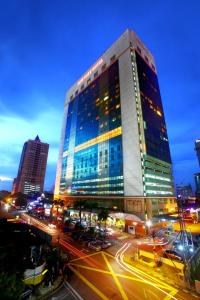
(42,292)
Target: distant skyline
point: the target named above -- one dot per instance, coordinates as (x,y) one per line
(46,46)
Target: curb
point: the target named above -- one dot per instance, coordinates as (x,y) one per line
(48,294)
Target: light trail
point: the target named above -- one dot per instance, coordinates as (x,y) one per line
(30,220)
(87,258)
(119,256)
(71,248)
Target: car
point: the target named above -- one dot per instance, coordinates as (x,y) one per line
(105,244)
(94,246)
(171,254)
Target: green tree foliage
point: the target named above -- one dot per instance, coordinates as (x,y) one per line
(11,272)
(20,199)
(11,285)
(80,205)
(103,215)
(91,207)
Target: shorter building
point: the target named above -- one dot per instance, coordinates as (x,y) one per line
(197,148)
(32,167)
(184,191)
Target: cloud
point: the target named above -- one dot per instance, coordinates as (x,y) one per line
(15,130)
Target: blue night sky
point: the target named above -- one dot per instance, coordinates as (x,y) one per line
(46,45)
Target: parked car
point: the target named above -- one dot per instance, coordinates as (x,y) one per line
(94,246)
(171,254)
(105,244)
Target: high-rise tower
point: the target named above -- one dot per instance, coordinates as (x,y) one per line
(197,148)
(32,167)
(114,144)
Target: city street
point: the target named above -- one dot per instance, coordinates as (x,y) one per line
(65,292)
(101,275)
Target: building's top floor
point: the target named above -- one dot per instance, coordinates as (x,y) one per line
(37,141)
(127,40)
(197,143)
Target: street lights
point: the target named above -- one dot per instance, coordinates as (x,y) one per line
(148,224)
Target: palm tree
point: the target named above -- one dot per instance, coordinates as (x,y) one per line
(90,207)
(79,204)
(103,215)
(58,203)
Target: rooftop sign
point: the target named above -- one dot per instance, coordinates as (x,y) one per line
(92,69)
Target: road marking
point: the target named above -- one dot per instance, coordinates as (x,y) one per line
(89,268)
(142,273)
(85,256)
(108,254)
(73,291)
(88,283)
(127,266)
(109,273)
(135,279)
(86,250)
(154,295)
(145,293)
(171,294)
(115,278)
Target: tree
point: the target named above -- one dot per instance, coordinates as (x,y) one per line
(11,269)
(90,207)
(57,203)
(103,215)
(11,285)
(80,205)
(20,199)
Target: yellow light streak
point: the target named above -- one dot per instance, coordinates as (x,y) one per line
(91,269)
(124,296)
(84,257)
(88,283)
(120,259)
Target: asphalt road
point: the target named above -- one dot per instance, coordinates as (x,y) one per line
(65,292)
(107,277)
(100,275)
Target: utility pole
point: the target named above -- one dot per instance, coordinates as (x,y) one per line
(184,241)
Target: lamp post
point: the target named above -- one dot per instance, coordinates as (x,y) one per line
(148,224)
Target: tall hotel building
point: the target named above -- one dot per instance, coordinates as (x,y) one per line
(32,167)
(197,148)
(114,145)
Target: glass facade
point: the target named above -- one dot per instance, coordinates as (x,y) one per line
(156,138)
(92,156)
(156,159)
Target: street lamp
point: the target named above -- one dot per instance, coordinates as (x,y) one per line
(148,224)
